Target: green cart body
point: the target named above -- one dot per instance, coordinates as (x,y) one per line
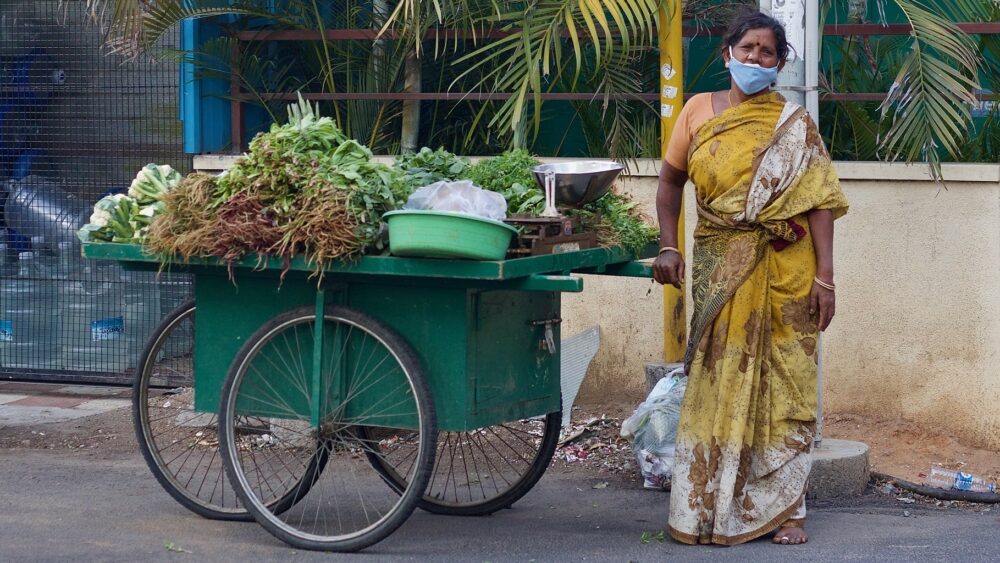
(482,330)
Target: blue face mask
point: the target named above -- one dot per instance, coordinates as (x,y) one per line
(750,78)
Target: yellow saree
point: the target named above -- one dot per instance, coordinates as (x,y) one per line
(748,417)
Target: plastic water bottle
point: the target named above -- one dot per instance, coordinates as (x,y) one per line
(44,257)
(175,290)
(38,206)
(5,266)
(6,325)
(948,479)
(93,326)
(65,262)
(28,324)
(141,310)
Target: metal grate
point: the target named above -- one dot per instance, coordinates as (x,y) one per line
(75,124)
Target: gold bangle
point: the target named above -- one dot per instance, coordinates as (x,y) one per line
(668,249)
(822,283)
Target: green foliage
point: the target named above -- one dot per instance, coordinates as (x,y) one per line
(650,537)
(618,222)
(152,182)
(510,175)
(171,546)
(426,166)
(931,77)
(283,160)
(855,64)
(615,217)
(933,90)
(305,165)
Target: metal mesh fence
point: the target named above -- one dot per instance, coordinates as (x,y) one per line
(75,124)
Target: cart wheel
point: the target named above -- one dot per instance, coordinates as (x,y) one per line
(479,472)
(279,414)
(179,444)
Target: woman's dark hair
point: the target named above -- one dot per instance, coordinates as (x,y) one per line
(752,19)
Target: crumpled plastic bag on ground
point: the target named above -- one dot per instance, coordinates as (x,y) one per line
(652,430)
(460,197)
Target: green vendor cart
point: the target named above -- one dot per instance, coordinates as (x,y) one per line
(328,408)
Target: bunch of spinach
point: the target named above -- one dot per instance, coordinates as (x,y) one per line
(510,175)
(427,166)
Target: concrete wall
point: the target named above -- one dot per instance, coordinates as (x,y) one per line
(917,332)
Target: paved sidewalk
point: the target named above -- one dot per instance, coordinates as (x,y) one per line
(26,404)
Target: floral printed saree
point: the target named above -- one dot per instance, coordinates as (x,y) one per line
(748,418)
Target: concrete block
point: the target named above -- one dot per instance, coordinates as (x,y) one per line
(839,469)
(657,371)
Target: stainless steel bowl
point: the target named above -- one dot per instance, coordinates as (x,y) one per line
(579,182)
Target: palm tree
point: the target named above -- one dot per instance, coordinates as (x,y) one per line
(552,44)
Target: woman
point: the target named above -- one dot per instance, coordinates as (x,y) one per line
(763,288)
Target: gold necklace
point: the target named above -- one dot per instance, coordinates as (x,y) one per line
(730,96)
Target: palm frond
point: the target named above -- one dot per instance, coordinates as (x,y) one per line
(135,27)
(533,57)
(930,98)
(415,17)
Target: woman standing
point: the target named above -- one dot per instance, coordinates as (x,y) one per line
(763,288)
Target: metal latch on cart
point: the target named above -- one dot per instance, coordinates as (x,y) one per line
(549,342)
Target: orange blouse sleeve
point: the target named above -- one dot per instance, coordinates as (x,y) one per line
(695,112)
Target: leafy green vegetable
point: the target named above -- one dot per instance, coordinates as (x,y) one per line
(126,218)
(618,222)
(303,188)
(649,537)
(289,158)
(119,218)
(510,175)
(426,167)
(152,183)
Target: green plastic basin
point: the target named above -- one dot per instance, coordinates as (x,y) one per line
(442,234)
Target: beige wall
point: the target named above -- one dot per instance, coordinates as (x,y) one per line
(917,332)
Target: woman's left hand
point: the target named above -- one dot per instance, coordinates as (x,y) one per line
(822,302)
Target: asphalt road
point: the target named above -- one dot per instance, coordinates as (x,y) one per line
(83,506)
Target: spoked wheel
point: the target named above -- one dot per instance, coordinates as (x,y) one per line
(479,472)
(180,444)
(300,390)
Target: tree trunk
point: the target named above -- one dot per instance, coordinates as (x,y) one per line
(411,108)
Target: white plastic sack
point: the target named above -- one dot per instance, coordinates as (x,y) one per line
(459,197)
(652,429)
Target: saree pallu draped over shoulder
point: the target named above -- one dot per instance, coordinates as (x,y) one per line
(748,418)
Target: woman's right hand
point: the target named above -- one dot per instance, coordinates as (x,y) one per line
(669,268)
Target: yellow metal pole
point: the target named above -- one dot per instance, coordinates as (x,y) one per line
(671,101)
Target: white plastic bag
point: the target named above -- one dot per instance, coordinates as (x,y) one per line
(460,197)
(652,429)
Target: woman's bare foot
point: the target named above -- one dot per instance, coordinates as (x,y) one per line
(790,536)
